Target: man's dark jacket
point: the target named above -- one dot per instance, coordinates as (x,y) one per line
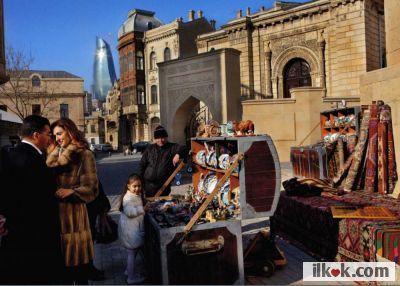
(156,166)
(31,252)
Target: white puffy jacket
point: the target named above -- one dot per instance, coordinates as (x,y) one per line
(131,225)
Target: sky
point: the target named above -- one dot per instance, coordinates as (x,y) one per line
(61,34)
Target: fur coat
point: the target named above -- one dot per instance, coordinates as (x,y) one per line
(75,169)
(131,225)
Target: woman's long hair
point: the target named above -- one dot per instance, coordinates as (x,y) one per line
(76,135)
(132,177)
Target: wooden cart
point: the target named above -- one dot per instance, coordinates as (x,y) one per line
(212,253)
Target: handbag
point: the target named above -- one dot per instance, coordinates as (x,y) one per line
(107,229)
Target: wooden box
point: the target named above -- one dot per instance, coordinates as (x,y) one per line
(309,161)
(220,260)
(169,263)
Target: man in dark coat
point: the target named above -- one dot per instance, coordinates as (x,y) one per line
(30,253)
(159,161)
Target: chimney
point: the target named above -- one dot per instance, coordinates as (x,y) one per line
(239,14)
(212,23)
(248,11)
(199,14)
(191,15)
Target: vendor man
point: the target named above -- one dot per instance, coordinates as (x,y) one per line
(159,161)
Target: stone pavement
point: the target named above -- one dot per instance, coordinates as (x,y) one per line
(112,257)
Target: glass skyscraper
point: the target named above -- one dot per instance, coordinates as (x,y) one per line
(103,70)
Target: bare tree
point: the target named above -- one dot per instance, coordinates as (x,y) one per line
(19,93)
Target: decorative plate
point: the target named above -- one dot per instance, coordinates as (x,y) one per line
(210,183)
(201,157)
(226,187)
(212,159)
(223,161)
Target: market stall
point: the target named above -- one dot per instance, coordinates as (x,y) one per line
(359,172)
(197,238)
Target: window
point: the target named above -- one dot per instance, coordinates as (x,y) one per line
(131,62)
(140,95)
(167,54)
(36,109)
(139,61)
(154,99)
(149,25)
(153,61)
(64,110)
(35,81)
(93,128)
(93,140)
(296,74)
(3,107)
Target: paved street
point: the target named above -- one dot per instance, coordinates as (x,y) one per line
(114,170)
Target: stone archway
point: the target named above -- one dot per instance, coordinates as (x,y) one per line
(284,58)
(212,77)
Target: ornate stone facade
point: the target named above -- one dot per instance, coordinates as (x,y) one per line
(211,78)
(334,42)
(168,42)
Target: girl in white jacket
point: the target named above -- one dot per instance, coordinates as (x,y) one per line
(131,227)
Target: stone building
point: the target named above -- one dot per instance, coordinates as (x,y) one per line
(112,118)
(132,71)
(3,76)
(298,59)
(52,94)
(94,128)
(167,42)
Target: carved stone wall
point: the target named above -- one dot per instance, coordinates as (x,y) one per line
(213,78)
(279,63)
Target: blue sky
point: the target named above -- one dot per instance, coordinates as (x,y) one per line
(61,34)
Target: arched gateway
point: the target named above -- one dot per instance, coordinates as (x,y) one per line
(212,78)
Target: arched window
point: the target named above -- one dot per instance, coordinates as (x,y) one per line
(35,81)
(149,25)
(154,98)
(139,60)
(141,99)
(296,74)
(167,54)
(153,61)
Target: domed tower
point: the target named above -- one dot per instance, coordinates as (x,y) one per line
(132,75)
(103,70)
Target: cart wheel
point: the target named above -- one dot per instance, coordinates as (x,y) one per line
(268,268)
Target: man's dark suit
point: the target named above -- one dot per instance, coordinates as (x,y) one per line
(31,252)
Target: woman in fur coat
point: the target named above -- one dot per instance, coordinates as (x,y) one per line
(131,228)
(75,168)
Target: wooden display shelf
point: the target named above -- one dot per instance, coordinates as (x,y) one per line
(344,128)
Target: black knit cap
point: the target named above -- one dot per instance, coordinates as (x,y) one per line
(160,132)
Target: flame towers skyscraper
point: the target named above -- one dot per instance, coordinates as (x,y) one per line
(103,70)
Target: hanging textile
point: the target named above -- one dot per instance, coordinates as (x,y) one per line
(358,153)
(372,155)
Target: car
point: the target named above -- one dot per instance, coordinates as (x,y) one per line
(106,147)
(140,146)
